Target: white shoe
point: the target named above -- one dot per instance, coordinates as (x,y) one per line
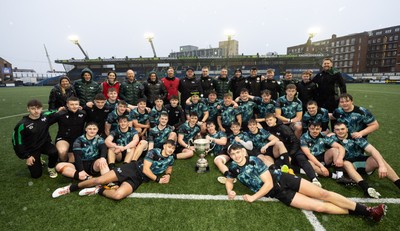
(61,191)
(373,193)
(316,182)
(52,172)
(222,179)
(89,191)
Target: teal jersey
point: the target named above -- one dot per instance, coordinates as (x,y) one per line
(247,110)
(159,163)
(259,139)
(317,145)
(90,148)
(228,115)
(289,108)
(112,119)
(188,132)
(155,114)
(218,148)
(354,147)
(142,118)
(243,136)
(356,120)
(199,108)
(123,138)
(322,116)
(159,137)
(249,174)
(212,108)
(264,108)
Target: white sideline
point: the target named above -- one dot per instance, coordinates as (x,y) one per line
(309,214)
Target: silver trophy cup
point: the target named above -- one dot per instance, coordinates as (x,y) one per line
(202,147)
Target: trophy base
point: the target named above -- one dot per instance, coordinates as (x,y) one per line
(202,169)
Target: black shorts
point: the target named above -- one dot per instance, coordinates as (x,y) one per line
(268,152)
(130,174)
(70,142)
(321,158)
(285,188)
(359,164)
(88,167)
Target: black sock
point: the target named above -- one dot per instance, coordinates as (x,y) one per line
(360,210)
(363,185)
(76,175)
(306,166)
(101,190)
(73,187)
(282,160)
(111,166)
(397,183)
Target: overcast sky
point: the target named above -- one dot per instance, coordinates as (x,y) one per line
(117,28)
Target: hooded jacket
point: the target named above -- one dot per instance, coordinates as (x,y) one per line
(57,98)
(131,91)
(153,89)
(86,90)
(236,84)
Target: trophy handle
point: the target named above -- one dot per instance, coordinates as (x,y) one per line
(190,142)
(213,146)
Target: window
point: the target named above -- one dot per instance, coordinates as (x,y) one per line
(379,40)
(390,38)
(397,29)
(396,37)
(347,41)
(373,40)
(388,31)
(378,33)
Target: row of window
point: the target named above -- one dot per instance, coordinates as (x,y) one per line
(384,39)
(387,31)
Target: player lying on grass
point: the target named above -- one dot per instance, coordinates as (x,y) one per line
(289,189)
(129,176)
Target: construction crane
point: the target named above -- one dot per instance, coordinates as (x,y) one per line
(48,58)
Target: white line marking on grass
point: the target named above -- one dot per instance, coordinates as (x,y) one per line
(11,116)
(380,92)
(309,214)
(313,220)
(240,198)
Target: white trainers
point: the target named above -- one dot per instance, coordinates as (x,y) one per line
(89,191)
(52,172)
(316,182)
(61,191)
(222,179)
(373,193)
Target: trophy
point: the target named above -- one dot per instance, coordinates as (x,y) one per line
(202,147)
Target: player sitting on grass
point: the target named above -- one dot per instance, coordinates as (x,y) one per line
(122,142)
(90,156)
(362,157)
(129,176)
(289,189)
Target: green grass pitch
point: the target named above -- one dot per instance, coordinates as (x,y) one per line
(26,204)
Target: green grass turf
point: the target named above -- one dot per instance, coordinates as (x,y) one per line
(26,204)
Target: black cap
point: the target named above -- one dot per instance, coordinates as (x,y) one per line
(190,68)
(254,68)
(195,93)
(238,70)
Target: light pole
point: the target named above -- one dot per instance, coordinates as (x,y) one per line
(75,40)
(149,37)
(229,34)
